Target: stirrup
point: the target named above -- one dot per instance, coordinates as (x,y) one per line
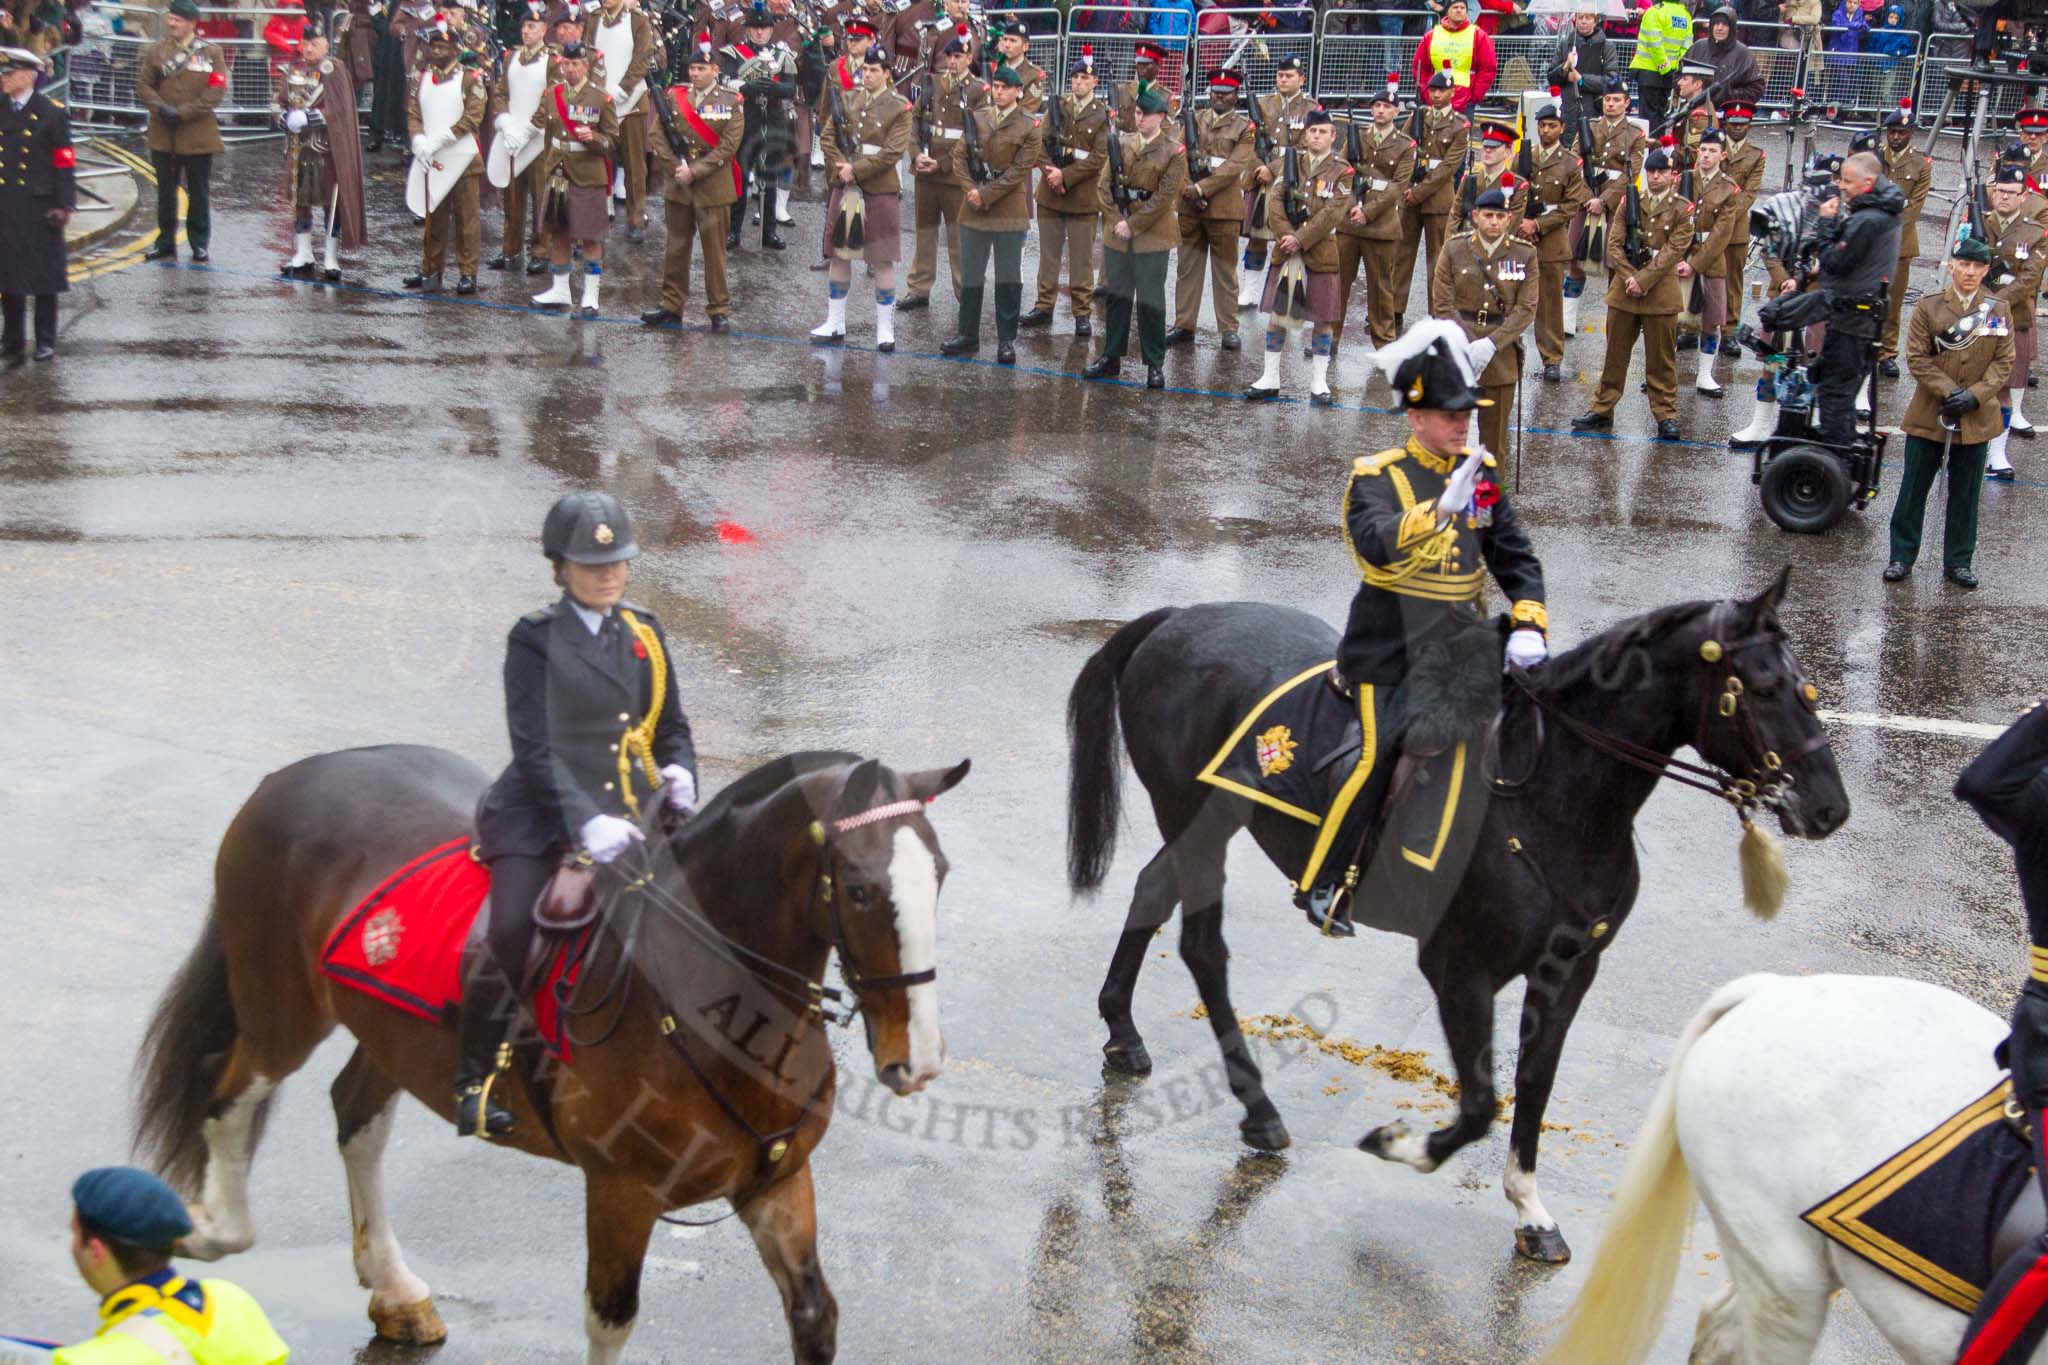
(1329,911)
(475,1115)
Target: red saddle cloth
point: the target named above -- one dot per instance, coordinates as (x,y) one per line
(403,944)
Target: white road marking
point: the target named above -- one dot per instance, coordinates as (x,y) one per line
(1919,725)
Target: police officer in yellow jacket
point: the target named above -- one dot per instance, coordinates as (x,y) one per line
(124,1224)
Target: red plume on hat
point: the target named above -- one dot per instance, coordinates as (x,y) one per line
(1667,141)
(1555,91)
(1507,180)
(1907,105)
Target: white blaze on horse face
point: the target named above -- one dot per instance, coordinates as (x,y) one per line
(221,1225)
(914,889)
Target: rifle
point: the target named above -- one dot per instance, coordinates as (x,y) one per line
(1055,139)
(1632,247)
(970,143)
(1190,134)
(1354,152)
(665,114)
(1293,200)
(921,116)
(1525,171)
(840,133)
(1119,191)
(1415,125)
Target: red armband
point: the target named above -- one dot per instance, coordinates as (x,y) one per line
(64,158)
(217,78)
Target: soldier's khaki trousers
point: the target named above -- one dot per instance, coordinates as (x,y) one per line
(461,205)
(1659,332)
(1060,235)
(522,209)
(706,225)
(1738,260)
(1216,240)
(1550,337)
(632,151)
(1493,421)
(1888,341)
(1416,228)
(936,203)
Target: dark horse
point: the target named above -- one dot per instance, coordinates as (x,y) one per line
(705,1073)
(1553,871)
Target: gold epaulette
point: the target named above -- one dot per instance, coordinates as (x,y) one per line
(1372,464)
(1488,462)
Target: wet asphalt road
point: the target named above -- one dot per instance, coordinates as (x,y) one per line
(242,521)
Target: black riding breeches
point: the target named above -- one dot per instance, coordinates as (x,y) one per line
(2012,1317)
(516,883)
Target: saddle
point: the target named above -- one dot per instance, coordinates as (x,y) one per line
(569,901)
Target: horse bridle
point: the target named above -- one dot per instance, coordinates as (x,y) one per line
(827,892)
(1764,776)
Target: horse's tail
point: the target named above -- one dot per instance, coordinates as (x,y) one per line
(182,1059)
(1617,1315)
(1094,803)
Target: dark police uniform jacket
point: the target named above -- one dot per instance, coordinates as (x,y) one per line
(588,728)
(37,174)
(1421,584)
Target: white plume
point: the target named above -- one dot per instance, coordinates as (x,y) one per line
(1418,339)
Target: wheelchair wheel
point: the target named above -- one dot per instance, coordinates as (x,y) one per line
(1805,490)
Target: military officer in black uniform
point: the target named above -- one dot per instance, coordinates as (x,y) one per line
(598,732)
(38,192)
(1425,521)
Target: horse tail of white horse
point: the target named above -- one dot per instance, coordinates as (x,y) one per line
(1617,1315)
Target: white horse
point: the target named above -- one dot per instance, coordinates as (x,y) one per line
(1781,1092)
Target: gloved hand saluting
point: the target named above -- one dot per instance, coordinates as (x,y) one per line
(679,787)
(1526,648)
(1457,494)
(605,837)
(295,121)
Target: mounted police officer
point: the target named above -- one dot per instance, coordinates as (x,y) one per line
(598,732)
(124,1226)
(1426,522)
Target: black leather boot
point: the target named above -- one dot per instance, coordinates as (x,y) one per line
(483,1056)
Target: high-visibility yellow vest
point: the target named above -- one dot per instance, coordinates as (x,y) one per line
(142,1325)
(1454,50)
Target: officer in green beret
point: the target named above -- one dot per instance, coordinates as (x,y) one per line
(1140,227)
(994,177)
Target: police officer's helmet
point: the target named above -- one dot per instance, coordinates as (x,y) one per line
(588,528)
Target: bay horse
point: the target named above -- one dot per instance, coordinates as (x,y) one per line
(1552,874)
(1781,1092)
(704,1072)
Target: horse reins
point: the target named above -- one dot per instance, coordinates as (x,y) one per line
(1766,766)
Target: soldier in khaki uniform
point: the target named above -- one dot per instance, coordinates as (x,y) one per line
(581,126)
(2017,240)
(1211,212)
(1303,216)
(1371,235)
(1137,235)
(1617,151)
(1426,205)
(1144,75)
(1643,299)
(1960,350)
(180,82)
(995,214)
(702,185)
(877,134)
(1282,119)
(1742,161)
(624,38)
(445,103)
(1067,205)
(954,94)
(1715,223)
(521,69)
(1013,47)
(1911,170)
(1496,139)
(1487,282)
(1557,196)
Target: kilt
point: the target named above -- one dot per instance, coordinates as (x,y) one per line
(884,227)
(1325,293)
(588,219)
(31,251)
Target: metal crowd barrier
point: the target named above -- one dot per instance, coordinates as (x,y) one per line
(1116,50)
(104,68)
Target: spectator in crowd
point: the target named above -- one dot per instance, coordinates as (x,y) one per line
(1802,23)
(1111,16)
(281,34)
(1459,46)
(1661,42)
(1173,21)
(1737,77)
(1492,13)
(1582,51)
(1895,41)
(1759,21)
(1849,25)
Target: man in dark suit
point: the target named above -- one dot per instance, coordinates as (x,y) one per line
(597,730)
(38,192)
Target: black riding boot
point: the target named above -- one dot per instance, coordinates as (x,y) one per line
(486,1016)
(2010,1328)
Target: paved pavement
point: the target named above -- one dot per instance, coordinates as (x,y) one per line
(246,520)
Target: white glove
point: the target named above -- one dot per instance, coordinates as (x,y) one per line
(420,147)
(605,837)
(1526,648)
(440,143)
(506,128)
(1481,354)
(1457,494)
(295,121)
(680,786)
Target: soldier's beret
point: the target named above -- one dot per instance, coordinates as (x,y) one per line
(1318,115)
(954,44)
(1288,64)
(1007,75)
(874,58)
(131,1206)
(1657,160)
(1442,80)
(1016,31)
(1712,135)
(184,9)
(1499,197)
(1549,113)
(1151,100)
(1972,248)
(2009,174)
(573,51)
(315,26)
(1896,118)
(534,12)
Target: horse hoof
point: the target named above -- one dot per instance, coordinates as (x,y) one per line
(412,1324)
(1265,1135)
(1396,1141)
(1131,1060)
(1546,1246)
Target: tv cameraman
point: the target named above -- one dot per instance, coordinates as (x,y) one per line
(1858,236)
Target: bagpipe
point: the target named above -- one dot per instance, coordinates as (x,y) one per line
(849,225)
(1290,289)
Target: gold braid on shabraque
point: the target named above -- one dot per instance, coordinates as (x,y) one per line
(638,741)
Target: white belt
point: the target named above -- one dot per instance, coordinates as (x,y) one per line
(1701,236)
(1081,155)
(571,146)
(1216,163)
(1377,185)
(946,132)
(1609,175)
(870,149)
(1432,163)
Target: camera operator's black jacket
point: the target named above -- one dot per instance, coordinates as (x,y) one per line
(1859,250)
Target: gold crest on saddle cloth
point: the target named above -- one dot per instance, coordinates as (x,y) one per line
(1276,751)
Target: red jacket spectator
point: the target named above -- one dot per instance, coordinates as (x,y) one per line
(281,36)
(1466,49)
(1491,13)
